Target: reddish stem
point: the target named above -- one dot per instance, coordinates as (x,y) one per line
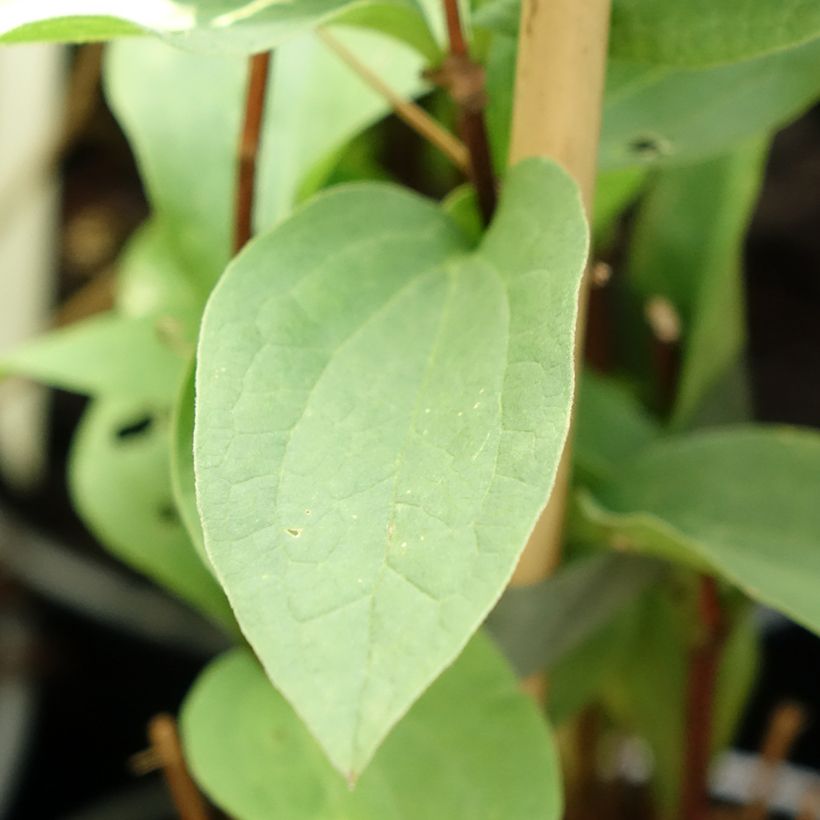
(259,69)
(455,32)
(704,664)
(464,79)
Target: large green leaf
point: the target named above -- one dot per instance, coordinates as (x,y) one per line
(705,32)
(137,358)
(741,501)
(380,414)
(120,486)
(192,122)
(473,748)
(243,27)
(687,246)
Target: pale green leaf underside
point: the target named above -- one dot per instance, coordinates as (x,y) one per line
(178,128)
(120,485)
(741,500)
(379,418)
(209,25)
(472,748)
(137,358)
(706,32)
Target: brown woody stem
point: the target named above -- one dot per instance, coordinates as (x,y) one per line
(259,69)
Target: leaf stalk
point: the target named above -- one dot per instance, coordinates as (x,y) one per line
(258,73)
(465,81)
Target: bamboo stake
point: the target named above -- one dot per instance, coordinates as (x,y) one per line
(557,113)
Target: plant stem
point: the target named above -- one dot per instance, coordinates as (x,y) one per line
(408,112)
(557,113)
(704,664)
(465,81)
(455,31)
(189,803)
(259,69)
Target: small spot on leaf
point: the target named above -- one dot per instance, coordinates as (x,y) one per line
(168,513)
(135,428)
(294,531)
(649,147)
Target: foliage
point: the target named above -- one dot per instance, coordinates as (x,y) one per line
(473,725)
(353,440)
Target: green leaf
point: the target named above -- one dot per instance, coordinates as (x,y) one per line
(666,116)
(179,128)
(693,34)
(461,205)
(312,85)
(152,281)
(473,748)
(405,22)
(687,246)
(740,501)
(655,116)
(611,427)
(379,418)
(206,25)
(82,28)
(120,486)
(141,359)
(182,463)
(578,678)
(537,625)
(500,80)
(615,191)
(705,32)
